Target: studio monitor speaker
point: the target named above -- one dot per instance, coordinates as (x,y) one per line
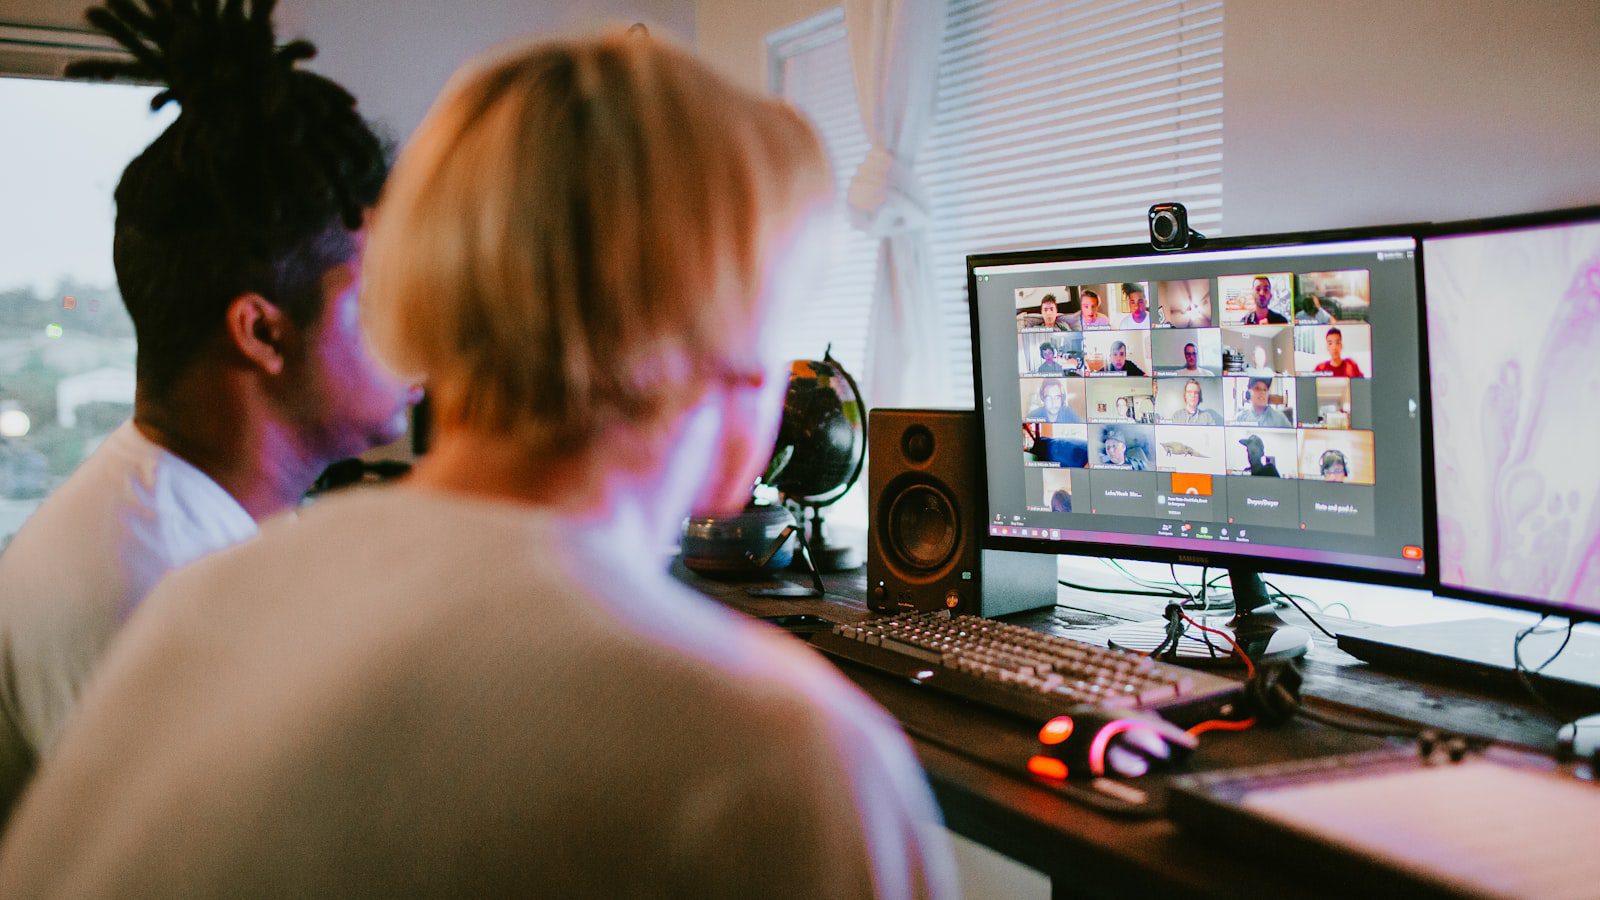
(924,549)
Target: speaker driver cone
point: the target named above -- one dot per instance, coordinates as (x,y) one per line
(923,530)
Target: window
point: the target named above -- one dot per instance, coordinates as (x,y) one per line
(1058,123)
(66,343)
(811,67)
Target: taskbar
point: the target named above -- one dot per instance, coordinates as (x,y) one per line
(1237,541)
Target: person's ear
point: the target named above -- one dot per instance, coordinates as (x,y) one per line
(259,329)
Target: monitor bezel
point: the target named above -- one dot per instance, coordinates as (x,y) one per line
(1484,226)
(1211,554)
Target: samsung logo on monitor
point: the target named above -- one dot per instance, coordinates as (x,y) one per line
(1194,560)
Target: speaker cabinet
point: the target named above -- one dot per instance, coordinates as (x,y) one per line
(924,550)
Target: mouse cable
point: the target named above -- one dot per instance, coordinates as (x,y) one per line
(1221,725)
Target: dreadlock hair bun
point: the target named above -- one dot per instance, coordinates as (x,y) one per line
(255,187)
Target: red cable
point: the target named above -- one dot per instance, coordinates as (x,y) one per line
(1250,667)
(1221,725)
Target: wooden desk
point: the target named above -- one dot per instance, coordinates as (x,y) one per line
(1087,852)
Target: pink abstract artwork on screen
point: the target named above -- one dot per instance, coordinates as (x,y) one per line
(1514,341)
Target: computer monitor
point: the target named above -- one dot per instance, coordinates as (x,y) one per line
(1254,404)
(1513,325)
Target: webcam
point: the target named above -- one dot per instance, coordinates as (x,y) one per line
(1169,227)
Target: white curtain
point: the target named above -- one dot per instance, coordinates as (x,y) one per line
(894,46)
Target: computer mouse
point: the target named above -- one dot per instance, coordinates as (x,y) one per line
(1095,742)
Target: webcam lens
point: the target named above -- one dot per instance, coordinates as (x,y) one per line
(1164,226)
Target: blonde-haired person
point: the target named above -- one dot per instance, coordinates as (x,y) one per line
(482,683)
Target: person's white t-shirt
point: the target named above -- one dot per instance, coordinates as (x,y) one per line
(408,693)
(79,566)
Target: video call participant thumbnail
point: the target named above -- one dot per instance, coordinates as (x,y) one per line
(1049,353)
(1183,448)
(1328,297)
(1308,310)
(1055,445)
(1056,487)
(1340,508)
(1346,348)
(1257,404)
(1127,447)
(1052,400)
(1093,309)
(1118,492)
(1118,360)
(1262,452)
(1137,304)
(1184,304)
(1189,496)
(1190,351)
(1117,353)
(1264,501)
(1346,457)
(1121,400)
(1050,309)
(1334,403)
(1255,299)
(1182,401)
(1260,349)
(1047,360)
(1263,313)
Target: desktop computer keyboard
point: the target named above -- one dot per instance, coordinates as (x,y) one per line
(1023,672)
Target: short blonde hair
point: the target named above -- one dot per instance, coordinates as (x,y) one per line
(577,235)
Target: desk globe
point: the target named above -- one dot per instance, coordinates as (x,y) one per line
(820,452)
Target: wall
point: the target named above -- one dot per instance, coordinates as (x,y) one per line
(1365,112)
(52,13)
(396,61)
(1360,112)
(395,55)
(731,34)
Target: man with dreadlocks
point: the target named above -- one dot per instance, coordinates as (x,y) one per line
(237,247)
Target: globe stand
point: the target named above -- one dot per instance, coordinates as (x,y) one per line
(789,590)
(825,557)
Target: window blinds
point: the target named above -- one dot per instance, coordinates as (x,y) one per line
(811,67)
(1058,123)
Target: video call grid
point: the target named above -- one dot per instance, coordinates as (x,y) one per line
(1128,376)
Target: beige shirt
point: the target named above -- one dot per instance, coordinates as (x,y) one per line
(411,694)
(80,564)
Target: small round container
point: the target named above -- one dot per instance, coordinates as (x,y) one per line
(717,546)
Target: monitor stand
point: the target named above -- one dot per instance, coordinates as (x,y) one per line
(1255,625)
